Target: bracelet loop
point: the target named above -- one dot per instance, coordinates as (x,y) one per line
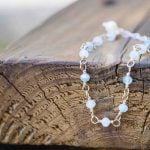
(85,87)
(116,123)
(125,94)
(87,94)
(83,64)
(130,63)
(86,48)
(94,119)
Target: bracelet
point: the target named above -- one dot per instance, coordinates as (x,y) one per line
(138,49)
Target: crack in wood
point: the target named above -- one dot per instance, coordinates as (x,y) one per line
(144,123)
(13,85)
(52,101)
(143,89)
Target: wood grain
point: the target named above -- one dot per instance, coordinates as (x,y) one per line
(41,101)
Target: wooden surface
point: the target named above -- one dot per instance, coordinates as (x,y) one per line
(41,100)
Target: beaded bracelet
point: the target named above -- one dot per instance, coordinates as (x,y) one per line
(138,49)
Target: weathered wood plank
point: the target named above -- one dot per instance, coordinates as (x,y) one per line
(41,100)
(61,36)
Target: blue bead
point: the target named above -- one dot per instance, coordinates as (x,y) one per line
(111,36)
(85,77)
(89,46)
(127,79)
(134,55)
(90,104)
(123,108)
(105,122)
(83,53)
(97,41)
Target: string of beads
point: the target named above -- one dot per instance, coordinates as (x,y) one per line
(113,31)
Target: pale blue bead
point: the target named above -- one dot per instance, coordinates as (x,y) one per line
(90,104)
(83,53)
(97,41)
(142,48)
(127,79)
(111,36)
(105,122)
(85,77)
(134,55)
(123,108)
(89,46)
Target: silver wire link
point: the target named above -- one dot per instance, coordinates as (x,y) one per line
(86,89)
(118,117)
(116,123)
(83,64)
(94,119)
(125,95)
(130,63)
(136,47)
(87,95)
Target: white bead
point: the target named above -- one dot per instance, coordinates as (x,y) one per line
(134,55)
(85,77)
(123,108)
(90,104)
(111,26)
(83,53)
(88,46)
(111,36)
(97,41)
(112,30)
(127,79)
(105,122)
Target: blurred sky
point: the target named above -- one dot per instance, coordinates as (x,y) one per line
(17,17)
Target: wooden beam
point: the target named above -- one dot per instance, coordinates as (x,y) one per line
(41,99)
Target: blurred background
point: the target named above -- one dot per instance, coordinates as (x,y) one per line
(18,17)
